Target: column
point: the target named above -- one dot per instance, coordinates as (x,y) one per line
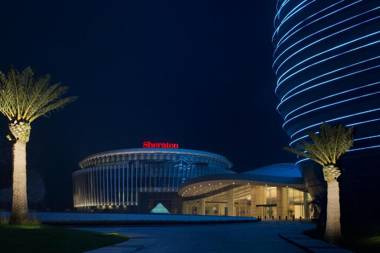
(202,207)
(184,208)
(306,206)
(253,211)
(187,205)
(230,203)
(282,202)
(221,209)
(260,200)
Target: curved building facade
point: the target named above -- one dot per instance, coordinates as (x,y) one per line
(327,64)
(138,179)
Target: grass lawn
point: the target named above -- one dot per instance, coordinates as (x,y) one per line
(359,244)
(363,244)
(37,238)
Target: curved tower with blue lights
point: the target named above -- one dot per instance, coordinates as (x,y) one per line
(327,63)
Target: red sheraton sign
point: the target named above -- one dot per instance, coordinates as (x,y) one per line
(149,144)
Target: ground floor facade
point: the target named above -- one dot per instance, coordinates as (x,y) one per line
(262,201)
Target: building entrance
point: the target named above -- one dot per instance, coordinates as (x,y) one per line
(262,201)
(267,211)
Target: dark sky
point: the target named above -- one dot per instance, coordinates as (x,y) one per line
(193,72)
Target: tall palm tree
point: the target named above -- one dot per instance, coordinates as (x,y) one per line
(23,99)
(326,148)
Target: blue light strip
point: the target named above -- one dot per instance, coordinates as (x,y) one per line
(348,125)
(329,105)
(330,96)
(330,80)
(281,78)
(333,79)
(291,13)
(277,16)
(368,137)
(351,150)
(285,37)
(322,30)
(335,119)
(296,54)
(364,148)
(279,10)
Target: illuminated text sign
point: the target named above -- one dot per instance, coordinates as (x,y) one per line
(149,144)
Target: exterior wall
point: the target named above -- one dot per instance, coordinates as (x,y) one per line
(120,181)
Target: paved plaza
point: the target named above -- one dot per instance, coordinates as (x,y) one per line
(218,238)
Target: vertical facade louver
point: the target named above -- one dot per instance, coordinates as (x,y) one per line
(327,64)
(116,179)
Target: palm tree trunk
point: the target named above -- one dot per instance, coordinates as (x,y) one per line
(333,227)
(19,196)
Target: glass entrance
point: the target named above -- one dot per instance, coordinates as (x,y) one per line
(267,212)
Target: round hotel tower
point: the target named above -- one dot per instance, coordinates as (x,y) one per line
(137,180)
(327,64)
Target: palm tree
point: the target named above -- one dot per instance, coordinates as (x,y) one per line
(326,148)
(23,99)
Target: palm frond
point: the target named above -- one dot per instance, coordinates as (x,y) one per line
(326,146)
(25,98)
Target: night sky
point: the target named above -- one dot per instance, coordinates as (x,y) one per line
(193,72)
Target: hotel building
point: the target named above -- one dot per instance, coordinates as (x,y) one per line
(186,181)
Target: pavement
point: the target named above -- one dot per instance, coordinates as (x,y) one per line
(312,245)
(119,219)
(213,238)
